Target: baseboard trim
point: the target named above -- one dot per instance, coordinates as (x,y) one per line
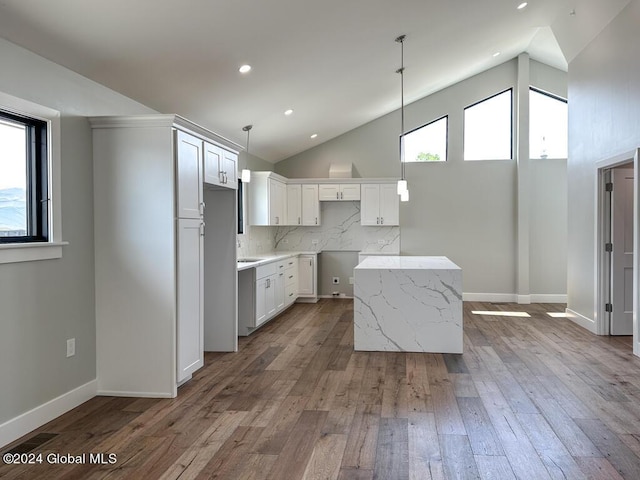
(548,298)
(121,393)
(341,297)
(584,322)
(490,297)
(15,428)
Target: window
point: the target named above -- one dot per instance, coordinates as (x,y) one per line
(548,125)
(427,143)
(488,128)
(23,179)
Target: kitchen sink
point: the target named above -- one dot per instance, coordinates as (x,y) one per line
(248,260)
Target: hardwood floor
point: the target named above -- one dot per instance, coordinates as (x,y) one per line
(531,398)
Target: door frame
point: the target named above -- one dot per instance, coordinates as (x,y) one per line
(602,260)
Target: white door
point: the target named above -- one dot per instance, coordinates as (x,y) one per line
(370,204)
(310,205)
(294,204)
(230,169)
(189,175)
(212,164)
(190,295)
(306,272)
(389,204)
(622,256)
(350,192)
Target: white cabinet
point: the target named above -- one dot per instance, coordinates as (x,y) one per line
(220,166)
(190,295)
(265,293)
(303,205)
(290,281)
(339,192)
(267,199)
(307,278)
(188,176)
(279,286)
(380,205)
(150,253)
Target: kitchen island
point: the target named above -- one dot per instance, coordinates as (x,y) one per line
(408,304)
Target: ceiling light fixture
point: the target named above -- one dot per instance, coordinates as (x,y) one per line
(522,5)
(245,175)
(403,189)
(244,68)
(288,112)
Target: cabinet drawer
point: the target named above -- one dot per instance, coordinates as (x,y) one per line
(290,293)
(290,277)
(265,270)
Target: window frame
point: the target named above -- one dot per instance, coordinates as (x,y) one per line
(446,140)
(36,181)
(51,248)
(555,97)
(511,127)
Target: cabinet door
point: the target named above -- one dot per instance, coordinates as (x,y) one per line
(188,175)
(389,204)
(270,297)
(278,291)
(277,202)
(230,169)
(350,192)
(306,274)
(310,205)
(212,164)
(190,296)
(261,301)
(328,192)
(294,204)
(370,204)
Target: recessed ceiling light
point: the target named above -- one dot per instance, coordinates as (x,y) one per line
(244,68)
(496,54)
(288,112)
(522,5)
(315,135)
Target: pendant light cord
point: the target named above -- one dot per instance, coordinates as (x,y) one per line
(400,40)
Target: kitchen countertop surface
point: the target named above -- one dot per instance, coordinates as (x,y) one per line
(396,262)
(265,258)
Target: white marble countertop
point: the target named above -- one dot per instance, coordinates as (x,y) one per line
(399,262)
(265,258)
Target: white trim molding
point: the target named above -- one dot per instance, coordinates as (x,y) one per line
(579,319)
(36,417)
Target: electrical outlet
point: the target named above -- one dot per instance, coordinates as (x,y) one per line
(285,240)
(336,280)
(71,347)
(314,241)
(381,241)
(350,280)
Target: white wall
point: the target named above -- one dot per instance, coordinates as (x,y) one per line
(44,303)
(464,210)
(604,122)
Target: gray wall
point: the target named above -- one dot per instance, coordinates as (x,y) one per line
(44,303)
(464,210)
(336,264)
(604,94)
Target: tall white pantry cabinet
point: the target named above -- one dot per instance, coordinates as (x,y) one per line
(152,255)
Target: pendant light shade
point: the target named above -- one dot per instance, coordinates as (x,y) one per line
(245,175)
(403,188)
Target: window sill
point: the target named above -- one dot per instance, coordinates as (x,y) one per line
(30,252)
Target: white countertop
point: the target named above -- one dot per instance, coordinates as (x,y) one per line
(397,262)
(265,258)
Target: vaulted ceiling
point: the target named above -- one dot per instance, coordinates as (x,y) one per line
(332,61)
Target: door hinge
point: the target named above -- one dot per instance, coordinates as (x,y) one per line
(609,187)
(608,247)
(608,307)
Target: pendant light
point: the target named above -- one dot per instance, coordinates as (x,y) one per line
(403,189)
(245,175)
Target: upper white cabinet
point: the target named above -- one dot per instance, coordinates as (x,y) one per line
(188,176)
(303,205)
(220,166)
(380,204)
(267,199)
(339,192)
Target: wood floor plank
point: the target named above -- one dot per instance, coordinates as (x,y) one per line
(494,467)
(392,452)
(326,458)
(457,457)
(425,457)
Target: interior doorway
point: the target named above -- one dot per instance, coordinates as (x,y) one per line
(616,247)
